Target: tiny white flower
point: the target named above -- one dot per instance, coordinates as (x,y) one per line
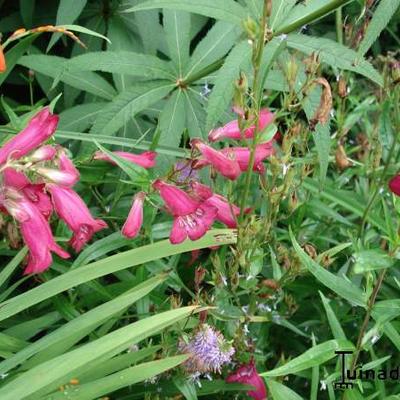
(283,37)
(323,385)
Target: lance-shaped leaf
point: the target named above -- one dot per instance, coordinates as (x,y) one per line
(226,10)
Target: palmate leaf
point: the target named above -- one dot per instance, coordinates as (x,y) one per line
(53,66)
(49,375)
(312,357)
(80,117)
(177,30)
(121,379)
(222,92)
(129,103)
(218,41)
(70,333)
(172,119)
(226,10)
(334,54)
(110,265)
(382,15)
(280,11)
(121,62)
(195,115)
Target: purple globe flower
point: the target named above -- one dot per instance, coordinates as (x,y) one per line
(208,349)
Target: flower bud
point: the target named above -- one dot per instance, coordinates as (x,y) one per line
(242,84)
(3,65)
(395,70)
(43,153)
(63,178)
(251,28)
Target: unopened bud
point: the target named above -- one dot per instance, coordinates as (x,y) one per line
(3,65)
(312,63)
(43,153)
(251,28)
(291,71)
(293,202)
(242,83)
(63,178)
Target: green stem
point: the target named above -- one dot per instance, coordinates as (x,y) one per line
(256,107)
(339,25)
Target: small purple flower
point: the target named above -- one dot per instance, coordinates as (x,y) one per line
(208,349)
(184,172)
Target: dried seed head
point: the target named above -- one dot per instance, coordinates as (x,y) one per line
(322,114)
(342,161)
(342,87)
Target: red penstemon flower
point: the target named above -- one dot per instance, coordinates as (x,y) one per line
(145,160)
(135,218)
(192,218)
(394,185)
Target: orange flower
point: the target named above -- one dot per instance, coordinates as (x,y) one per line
(3,66)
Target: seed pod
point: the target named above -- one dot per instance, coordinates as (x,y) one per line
(270,283)
(341,158)
(395,72)
(323,111)
(310,250)
(342,87)
(13,236)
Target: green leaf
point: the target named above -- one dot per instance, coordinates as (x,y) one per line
(172,120)
(280,11)
(382,15)
(306,12)
(386,310)
(186,387)
(222,93)
(195,115)
(110,265)
(121,62)
(53,67)
(346,199)
(317,355)
(341,286)
(80,117)
(8,269)
(70,333)
(177,30)
(218,41)
(50,374)
(13,55)
(137,174)
(68,11)
(368,260)
(121,379)
(82,29)
(321,135)
(226,10)
(129,103)
(334,54)
(281,392)
(334,323)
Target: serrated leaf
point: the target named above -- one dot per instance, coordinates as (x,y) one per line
(172,120)
(226,10)
(53,66)
(312,357)
(222,93)
(382,16)
(280,10)
(80,117)
(121,62)
(195,115)
(68,11)
(344,288)
(177,29)
(334,54)
(129,103)
(218,41)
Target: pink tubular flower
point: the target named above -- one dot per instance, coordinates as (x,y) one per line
(226,213)
(135,218)
(247,374)
(43,153)
(192,218)
(394,185)
(242,155)
(40,128)
(145,160)
(36,233)
(63,178)
(74,212)
(66,165)
(226,166)
(33,192)
(231,129)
